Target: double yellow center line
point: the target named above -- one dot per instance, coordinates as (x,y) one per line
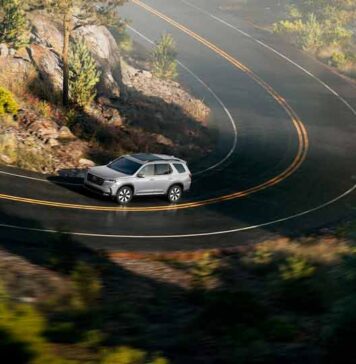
(300,156)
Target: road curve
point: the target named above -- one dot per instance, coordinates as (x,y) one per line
(284,163)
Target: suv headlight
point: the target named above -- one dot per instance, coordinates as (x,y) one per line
(110,180)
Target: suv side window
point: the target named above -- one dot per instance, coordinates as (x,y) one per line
(162,169)
(148,170)
(179,167)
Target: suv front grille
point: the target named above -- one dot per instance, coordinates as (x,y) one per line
(95,179)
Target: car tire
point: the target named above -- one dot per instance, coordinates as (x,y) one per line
(174,193)
(124,195)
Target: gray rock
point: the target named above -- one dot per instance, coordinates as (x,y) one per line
(46,32)
(48,64)
(86,163)
(52,142)
(161,139)
(44,129)
(5,159)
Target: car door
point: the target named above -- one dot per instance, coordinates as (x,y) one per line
(163,177)
(145,180)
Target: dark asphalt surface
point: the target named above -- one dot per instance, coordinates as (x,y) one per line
(318,193)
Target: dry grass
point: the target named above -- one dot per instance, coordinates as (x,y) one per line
(27,156)
(27,82)
(197,110)
(9,73)
(323,250)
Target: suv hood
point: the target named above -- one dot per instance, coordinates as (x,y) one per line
(106,172)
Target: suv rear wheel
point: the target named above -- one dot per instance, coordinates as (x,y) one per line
(124,195)
(174,193)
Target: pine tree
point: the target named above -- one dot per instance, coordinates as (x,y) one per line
(75,14)
(83,74)
(164,63)
(14,28)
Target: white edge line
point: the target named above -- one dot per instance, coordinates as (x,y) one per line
(274,51)
(222,232)
(38,179)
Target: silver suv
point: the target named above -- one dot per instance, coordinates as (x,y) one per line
(140,174)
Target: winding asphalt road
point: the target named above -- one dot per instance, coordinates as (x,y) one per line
(285,162)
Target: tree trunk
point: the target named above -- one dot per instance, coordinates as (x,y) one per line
(66,38)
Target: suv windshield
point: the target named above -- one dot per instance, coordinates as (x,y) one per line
(124,165)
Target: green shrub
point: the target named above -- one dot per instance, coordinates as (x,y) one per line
(8,104)
(338,59)
(205,269)
(287,26)
(296,286)
(260,260)
(124,355)
(337,35)
(164,64)
(83,74)
(296,268)
(14,28)
(311,35)
(44,108)
(71,117)
(128,355)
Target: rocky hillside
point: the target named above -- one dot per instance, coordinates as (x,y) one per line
(42,57)
(133,110)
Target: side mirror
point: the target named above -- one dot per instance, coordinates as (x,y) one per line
(140,175)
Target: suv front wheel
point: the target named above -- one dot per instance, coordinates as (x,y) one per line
(124,195)
(174,193)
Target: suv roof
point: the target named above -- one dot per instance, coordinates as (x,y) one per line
(149,157)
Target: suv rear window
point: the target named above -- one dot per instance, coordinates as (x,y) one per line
(179,167)
(162,169)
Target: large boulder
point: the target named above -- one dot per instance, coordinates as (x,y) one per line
(48,65)
(46,32)
(47,36)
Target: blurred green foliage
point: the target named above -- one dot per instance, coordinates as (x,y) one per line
(277,301)
(128,355)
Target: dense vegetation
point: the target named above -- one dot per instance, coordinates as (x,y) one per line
(14,28)
(325,27)
(278,301)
